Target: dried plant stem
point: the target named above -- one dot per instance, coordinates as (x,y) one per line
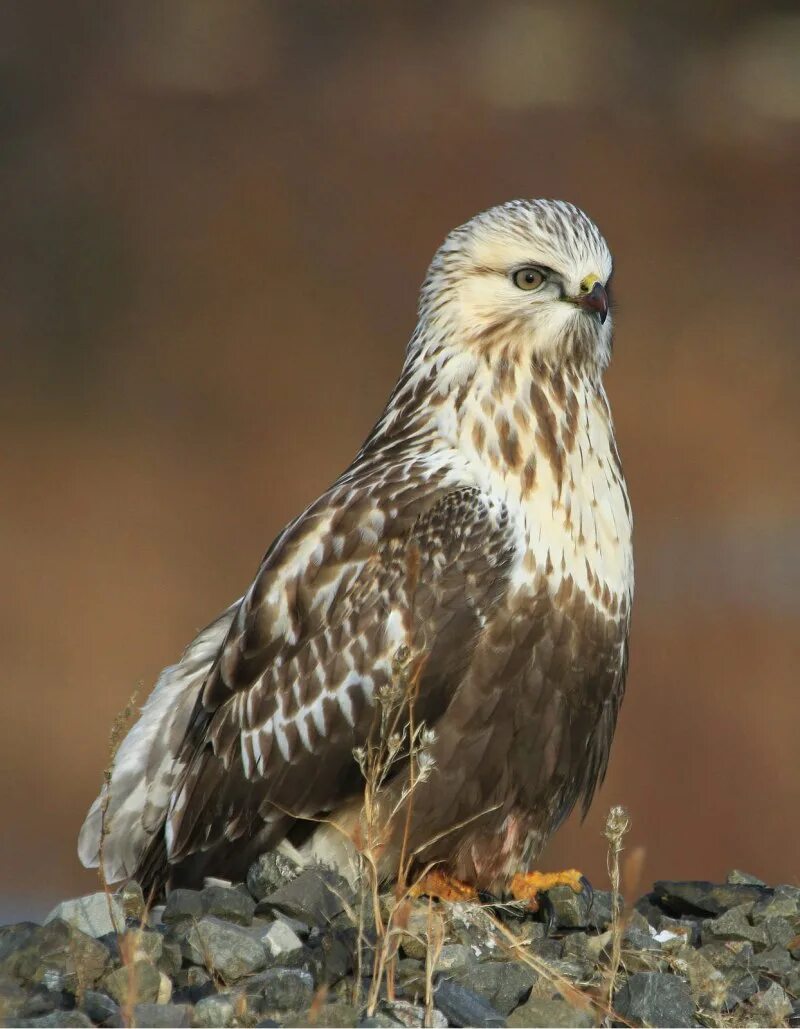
(617,825)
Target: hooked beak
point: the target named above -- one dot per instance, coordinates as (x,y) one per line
(595,301)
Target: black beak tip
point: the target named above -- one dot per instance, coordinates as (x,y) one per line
(597,300)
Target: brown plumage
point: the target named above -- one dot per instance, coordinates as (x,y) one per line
(485,526)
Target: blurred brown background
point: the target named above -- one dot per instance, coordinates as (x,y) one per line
(214,220)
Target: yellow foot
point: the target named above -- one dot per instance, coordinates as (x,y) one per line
(528,885)
(443,886)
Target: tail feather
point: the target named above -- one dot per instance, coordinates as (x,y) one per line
(145,767)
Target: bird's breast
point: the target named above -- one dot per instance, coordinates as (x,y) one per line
(547,451)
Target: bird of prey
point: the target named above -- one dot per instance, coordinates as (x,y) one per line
(484,531)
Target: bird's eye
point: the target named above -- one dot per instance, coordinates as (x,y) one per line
(528,278)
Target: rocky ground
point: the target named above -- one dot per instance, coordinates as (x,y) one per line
(283,950)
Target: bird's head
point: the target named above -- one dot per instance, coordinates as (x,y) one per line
(533,273)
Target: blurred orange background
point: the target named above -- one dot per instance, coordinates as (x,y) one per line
(215,217)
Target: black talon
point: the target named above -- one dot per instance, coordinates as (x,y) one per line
(548,910)
(587,890)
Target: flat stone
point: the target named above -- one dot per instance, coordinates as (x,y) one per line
(163,1016)
(281,989)
(317,896)
(544,1012)
(655,999)
(139,981)
(736,877)
(229,903)
(462,1006)
(91,914)
(225,949)
(734,925)
(502,984)
(216,1011)
(704,898)
(272,871)
(182,906)
(57,956)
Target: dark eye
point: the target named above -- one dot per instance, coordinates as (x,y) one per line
(528,278)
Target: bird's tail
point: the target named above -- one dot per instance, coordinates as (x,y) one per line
(131,809)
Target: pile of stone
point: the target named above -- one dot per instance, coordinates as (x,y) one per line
(295,947)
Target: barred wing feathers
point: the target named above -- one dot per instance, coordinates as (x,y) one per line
(293,690)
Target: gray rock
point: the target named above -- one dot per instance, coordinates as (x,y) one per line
(548,949)
(738,878)
(726,954)
(55,955)
(405,1013)
(502,984)
(280,940)
(704,898)
(772,1005)
(229,903)
(775,961)
(741,985)
(378,1021)
(228,950)
(781,932)
(91,914)
(317,896)
(270,873)
(182,906)
(13,1000)
(655,999)
(163,1016)
(131,900)
(215,1011)
(784,903)
(280,989)
(170,960)
(600,913)
(330,1016)
(555,1013)
(462,1006)
(100,1007)
(192,985)
(138,982)
(453,956)
(734,925)
(571,910)
(56,1019)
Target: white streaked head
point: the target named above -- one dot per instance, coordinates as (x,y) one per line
(536,271)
